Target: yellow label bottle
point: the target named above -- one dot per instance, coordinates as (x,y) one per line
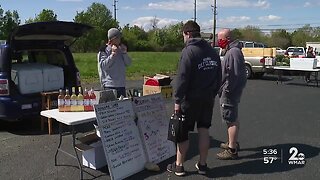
(73,99)
(80,101)
(67,102)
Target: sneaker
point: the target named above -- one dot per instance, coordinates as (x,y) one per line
(226,145)
(178,170)
(227,155)
(202,169)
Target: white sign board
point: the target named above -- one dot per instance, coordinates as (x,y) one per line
(153,127)
(120,138)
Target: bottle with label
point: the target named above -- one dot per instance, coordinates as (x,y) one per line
(80,100)
(73,99)
(86,100)
(93,99)
(67,103)
(61,101)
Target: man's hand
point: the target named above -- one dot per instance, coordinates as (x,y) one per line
(123,48)
(176,108)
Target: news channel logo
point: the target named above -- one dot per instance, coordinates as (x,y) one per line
(273,155)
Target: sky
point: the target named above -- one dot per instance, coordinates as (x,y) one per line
(265,14)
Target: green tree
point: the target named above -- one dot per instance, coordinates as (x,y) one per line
(236,33)
(98,16)
(173,39)
(302,35)
(8,21)
(251,33)
(45,15)
(136,38)
(279,38)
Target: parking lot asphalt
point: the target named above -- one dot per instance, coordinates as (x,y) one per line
(281,119)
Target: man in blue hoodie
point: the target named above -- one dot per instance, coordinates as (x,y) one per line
(233,82)
(195,86)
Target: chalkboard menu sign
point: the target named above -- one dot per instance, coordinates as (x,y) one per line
(120,138)
(153,127)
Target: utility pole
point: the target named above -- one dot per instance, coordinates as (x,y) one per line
(115,9)
(214,21)
(195,11)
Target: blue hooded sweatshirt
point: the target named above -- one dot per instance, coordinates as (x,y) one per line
(199,72)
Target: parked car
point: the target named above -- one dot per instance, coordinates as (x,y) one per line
(31,45)
(252,44)
(295,52)
(280,51)
(255,66)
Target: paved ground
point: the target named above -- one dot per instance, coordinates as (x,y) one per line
(272,117)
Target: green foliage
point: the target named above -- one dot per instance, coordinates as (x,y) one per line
(143,63)
(282,60)
(158,39)
(279,38)
(251,33)
(45,15)
(8,21)
(98,16)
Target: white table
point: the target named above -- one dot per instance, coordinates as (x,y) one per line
(70,119)
(280,70)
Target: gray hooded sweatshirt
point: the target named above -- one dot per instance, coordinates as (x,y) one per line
(112,70)
(233,73)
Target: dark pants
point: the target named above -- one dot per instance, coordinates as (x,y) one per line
(120,90)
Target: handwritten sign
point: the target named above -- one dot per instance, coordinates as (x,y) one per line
(153,127)
(120,138)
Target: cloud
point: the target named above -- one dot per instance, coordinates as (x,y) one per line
(127,8)
(244,3)
(235,19)
(70,0)
(146,22)
(307,4)
(269,18)
(181,5)
(188,5)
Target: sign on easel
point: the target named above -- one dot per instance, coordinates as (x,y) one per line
(120,138)
(153,127)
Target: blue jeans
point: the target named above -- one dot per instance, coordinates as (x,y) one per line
(120,90)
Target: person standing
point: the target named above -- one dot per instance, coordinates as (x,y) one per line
(310,54)
(112,61)
(195,86)
(233,82)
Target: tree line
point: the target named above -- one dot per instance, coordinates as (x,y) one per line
(168,38)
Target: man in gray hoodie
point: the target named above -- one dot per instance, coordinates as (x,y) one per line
(233,82)
(196,84)
(112,62)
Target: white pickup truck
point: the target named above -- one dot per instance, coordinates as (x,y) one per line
(257,61)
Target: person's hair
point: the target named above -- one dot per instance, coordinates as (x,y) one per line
(193,28)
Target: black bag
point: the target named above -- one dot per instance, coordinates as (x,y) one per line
(177,131)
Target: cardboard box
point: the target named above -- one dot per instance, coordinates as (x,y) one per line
(92,151)
(94,158)
(163,80)
(166,91)
(303,63)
